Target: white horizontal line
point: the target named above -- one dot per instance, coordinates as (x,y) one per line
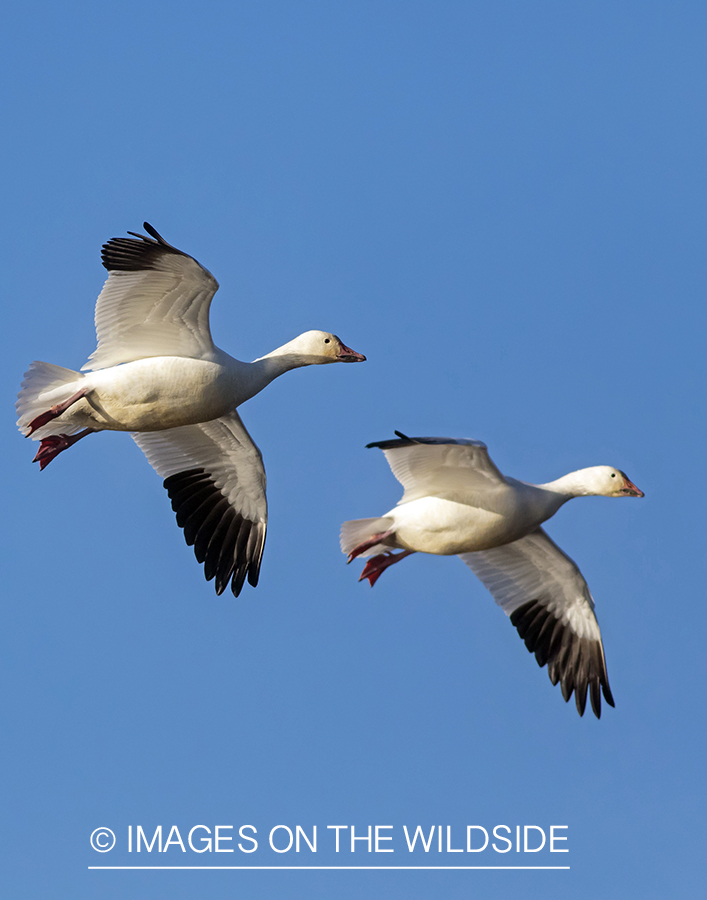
(289,868)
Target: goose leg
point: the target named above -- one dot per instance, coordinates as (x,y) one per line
(376,565)
(55,411)
(366,545)
(53,445)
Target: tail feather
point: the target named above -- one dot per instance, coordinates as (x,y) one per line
(43,386)
(357,531)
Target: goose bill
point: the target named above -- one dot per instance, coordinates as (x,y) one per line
(631,490)
(346,354)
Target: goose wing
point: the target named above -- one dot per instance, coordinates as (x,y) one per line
(548,601)
(438,466)
(155,303)
(214,475)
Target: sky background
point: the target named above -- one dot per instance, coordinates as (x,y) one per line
(503,206)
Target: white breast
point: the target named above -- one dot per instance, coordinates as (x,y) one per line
(154,394)
(446,527)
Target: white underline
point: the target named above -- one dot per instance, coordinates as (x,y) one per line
(329,868)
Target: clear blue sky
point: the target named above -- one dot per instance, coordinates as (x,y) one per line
(503,206)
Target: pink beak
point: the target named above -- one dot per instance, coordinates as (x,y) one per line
(630,489)
(346,354)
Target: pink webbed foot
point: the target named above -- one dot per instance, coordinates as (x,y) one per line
(366,545)
(42,420)
(52,413)
(50,447)
(376,565)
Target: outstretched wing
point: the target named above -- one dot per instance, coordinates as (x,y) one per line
(437,466)
(548,601)
(214,475)
(155,303)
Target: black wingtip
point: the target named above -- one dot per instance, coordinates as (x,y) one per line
(155,236)
(578,664)
(384,445)
(154,233)
(402,440)
(220,535)
(138,252)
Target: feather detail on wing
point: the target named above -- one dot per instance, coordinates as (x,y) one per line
(214,475)
(548,601)
(155,303)
(440,467)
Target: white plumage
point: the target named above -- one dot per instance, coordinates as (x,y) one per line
(457,502)
(157,373)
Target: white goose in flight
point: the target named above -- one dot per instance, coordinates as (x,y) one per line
(457,502)
(158,374)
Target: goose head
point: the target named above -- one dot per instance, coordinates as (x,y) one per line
(606,481)
(314,348)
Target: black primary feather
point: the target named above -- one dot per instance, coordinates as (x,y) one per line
(137,253)
(229,545)
(577,663)
(405,441)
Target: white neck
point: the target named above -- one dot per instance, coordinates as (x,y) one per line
(284,358)
(252,377)
(575,484)
(546,499)
(597,481)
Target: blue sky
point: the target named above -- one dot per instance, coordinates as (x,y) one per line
(502,206)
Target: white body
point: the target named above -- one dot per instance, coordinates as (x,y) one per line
(447,527)
(157,373)
(157,393)
(457,502)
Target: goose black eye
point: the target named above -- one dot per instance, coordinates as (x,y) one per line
(327,341)
(613,475)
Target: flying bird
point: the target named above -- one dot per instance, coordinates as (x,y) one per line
(157,373)
(456,502)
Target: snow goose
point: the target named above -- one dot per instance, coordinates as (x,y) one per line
(157,373)
(457,502)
